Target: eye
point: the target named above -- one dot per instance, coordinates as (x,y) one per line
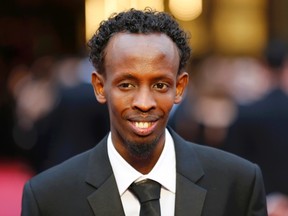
(161,86)
(126,86)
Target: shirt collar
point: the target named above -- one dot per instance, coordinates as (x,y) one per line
(163,172)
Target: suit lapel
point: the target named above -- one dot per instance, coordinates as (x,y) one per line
(105,200)
(190,197)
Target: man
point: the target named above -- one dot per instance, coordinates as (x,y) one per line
(139,57)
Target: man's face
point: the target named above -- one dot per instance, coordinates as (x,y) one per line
(140,85)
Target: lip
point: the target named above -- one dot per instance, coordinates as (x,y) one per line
(143,128)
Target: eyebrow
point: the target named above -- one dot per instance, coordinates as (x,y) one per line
(125,76)
(128,76)
(131,76)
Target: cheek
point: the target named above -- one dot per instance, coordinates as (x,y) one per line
(166,103)
(118,103)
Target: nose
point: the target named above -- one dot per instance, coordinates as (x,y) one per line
(144,100)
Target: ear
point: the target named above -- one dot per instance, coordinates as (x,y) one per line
(98,85)
(182,82)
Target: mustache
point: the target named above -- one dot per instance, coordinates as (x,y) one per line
(143,117)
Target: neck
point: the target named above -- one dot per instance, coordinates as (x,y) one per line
(144,164)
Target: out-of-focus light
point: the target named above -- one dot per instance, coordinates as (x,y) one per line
(154,4)
(94,13)
(98,10)
(185,9)
(240,26)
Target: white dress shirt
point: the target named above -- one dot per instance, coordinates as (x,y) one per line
(163,172)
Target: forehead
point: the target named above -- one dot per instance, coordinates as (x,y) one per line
(156,40)
(141,45)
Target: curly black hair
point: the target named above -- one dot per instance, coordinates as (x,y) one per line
(141,22)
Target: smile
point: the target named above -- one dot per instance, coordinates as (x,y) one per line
(143,125)
(143,128)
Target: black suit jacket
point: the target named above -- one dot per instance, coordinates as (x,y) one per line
(208,182)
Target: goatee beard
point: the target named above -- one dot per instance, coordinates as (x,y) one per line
(141,150)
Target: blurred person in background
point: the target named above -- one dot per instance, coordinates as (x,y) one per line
(218,84)
(208,107)
(56,113)
(259,132)
(34,92)
(77,121)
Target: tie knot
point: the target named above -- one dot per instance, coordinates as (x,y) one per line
(146,190)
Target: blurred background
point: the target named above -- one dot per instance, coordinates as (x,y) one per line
(236,100)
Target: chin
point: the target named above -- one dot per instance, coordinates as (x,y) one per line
(141,150)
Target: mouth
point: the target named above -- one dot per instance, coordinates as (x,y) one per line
(142,125)
(143,128)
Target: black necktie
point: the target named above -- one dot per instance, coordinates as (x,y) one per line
(148,194)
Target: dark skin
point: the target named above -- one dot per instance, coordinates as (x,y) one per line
(140,84)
